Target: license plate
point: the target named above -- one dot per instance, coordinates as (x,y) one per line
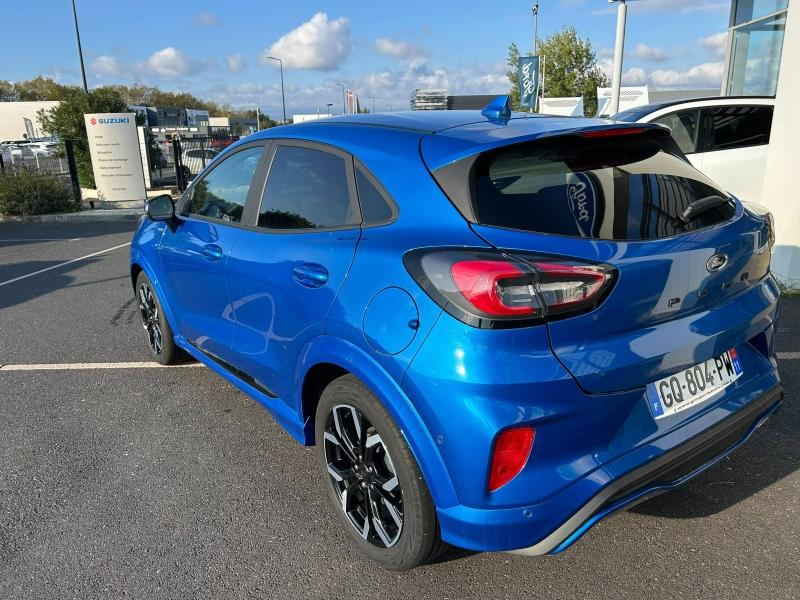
(694,385)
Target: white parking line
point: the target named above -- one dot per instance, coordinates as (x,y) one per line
(69,262)
(6,240)
(92,366)
(788,355)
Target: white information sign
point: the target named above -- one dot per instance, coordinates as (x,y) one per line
(117,164)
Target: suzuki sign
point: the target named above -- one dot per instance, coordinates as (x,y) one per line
(116,161)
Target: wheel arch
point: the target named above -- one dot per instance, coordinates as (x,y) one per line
(139,263)
(330,357)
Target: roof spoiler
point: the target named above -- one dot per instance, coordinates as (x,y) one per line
(499,109)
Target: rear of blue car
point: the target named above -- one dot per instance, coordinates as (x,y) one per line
(601,341)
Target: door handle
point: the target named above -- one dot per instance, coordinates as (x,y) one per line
(212,252)
(310,275)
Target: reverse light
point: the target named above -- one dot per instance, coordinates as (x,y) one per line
(496,287)
(509,456)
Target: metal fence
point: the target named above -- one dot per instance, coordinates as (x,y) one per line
(176,162)
(61,166)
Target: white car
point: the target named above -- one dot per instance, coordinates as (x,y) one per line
(45,149)
(196,159)
(726,138)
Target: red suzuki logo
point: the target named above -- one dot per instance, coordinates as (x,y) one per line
(93,121)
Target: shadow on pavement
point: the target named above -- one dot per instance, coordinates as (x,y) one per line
(38,285)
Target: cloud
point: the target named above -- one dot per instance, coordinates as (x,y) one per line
(389,87)
(170,63)
(649,53)
(318,44)
(105,66)
(716,42)
(206,19)
(703,75)
(236,63)
(401,50)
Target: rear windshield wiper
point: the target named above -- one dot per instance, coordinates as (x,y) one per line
(698,207)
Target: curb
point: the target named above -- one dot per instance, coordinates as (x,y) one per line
(86,216)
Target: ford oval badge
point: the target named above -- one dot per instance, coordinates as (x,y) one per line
(717,262)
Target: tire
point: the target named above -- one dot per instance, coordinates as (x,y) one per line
(157,331)
(386,469)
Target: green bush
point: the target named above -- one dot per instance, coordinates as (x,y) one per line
(31,192)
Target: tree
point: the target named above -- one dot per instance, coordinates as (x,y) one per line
(66,121)
(41,88)
(8,93)
(570,66)
(513,74)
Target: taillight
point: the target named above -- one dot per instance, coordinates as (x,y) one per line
(494,289)
(509,455)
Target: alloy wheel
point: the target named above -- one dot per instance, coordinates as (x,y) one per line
(148,308)
(363,476)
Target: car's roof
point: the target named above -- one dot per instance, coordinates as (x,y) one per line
(639,112)
(448,134)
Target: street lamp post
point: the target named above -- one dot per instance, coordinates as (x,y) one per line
(344,104)
(329,108)
(619,46)
(80,51)
(283,96)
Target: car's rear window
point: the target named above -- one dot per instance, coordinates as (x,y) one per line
(627,187)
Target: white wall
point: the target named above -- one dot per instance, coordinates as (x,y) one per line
(781,193)
(12,114)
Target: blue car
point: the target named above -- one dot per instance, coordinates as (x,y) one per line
(496,328)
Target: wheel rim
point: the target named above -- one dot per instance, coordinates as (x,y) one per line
(363,476)
(148,308)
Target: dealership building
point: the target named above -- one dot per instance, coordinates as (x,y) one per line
(763,59)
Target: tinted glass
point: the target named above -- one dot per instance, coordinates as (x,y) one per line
(747,10)
(740,126)
(374,205)
(306,189)
(684,129)
(756,58)
(624,188)
(222,193)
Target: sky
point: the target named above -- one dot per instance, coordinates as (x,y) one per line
(217,50)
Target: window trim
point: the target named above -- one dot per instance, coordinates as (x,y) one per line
(181,211)
(321,147)
(698,142)
(707,115)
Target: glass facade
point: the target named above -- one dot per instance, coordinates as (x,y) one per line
(755,56)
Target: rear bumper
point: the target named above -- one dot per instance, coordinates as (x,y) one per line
(552,525)
(669,471)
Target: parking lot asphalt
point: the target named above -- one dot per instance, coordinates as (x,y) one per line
(169,483)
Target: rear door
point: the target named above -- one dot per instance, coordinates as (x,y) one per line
(286,269)
(617,201)
(735,151)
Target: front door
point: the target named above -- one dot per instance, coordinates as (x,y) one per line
(194,251)
(284,274)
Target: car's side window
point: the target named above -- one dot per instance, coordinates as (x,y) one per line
(307,189)
(375,206)
(739,126)
(684,128)
(222,193)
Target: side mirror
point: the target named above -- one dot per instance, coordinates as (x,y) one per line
(160,208)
